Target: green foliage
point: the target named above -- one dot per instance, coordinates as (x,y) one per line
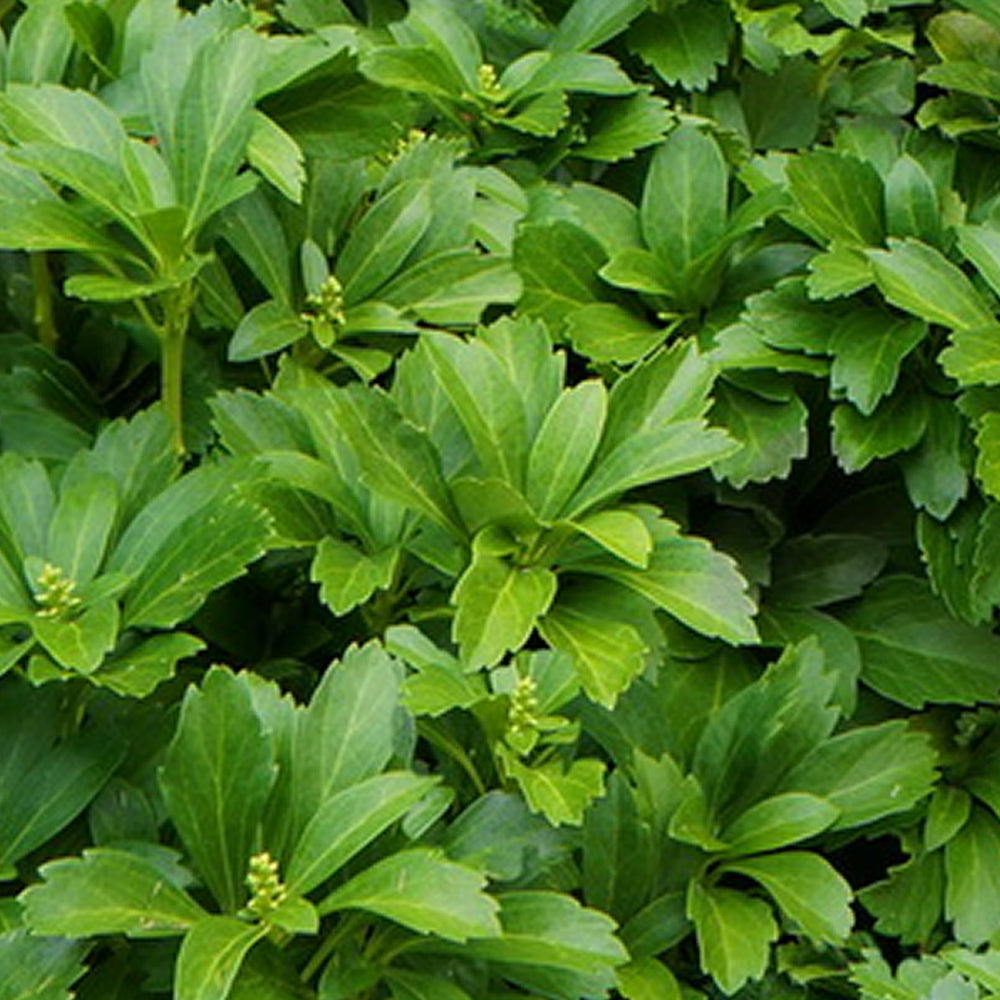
(499,498)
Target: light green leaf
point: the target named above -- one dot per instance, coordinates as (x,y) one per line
(981,245)
(684,203)
(607,654)
(696,584)
(842,270)
(922,281)
(648,979)
(972,900)
(974,356)
(80,643)
(108,891)
(497,606)
(778,821)
(988,453)
(621,532)
(276,155)
(914,652)
(43,224)
(564,447)
(734,934)
(807,889)
(603,331)
(347,576)
(347,822)
(137,671)
(561,795)
(407,985)
(215,780)
(421,890)
(867,773)
(211,956)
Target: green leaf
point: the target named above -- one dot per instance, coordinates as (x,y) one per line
(734,934)
(920,280)
(914,652)
(814,570)
(603,331)
(619,128)
(41,43)
(497,606)
(807,889)
(867,773)
(39,968)
(266,328)
(868,347)
(842,270)
(564,447)
(44,224)
(912,201)
(407,985)
(81,526)
(108,891)
(215,780)
(840,196)
(560,794)
(771,433)
(910,903)
(345,736)
(551,929)
(347,822)
(138,670)
(42,791)
(684,202)
(208,549)
(897,424)
(981,245)
(383,239)
(778,821)
(685,44)
(590,23)
(696,584)
(396,459)
(486,401)
(972,899)
(202,112)
(421,890)
(211,956)
(347,576)
(972,358)
(947,812)
(988,453)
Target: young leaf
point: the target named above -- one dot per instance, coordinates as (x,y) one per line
(215,780)
(561,795)
(211,956)
(81,526)
(734,934)
(806,888)
(347,576)
(80,643)
(108,891)
(421,890)
(497,606)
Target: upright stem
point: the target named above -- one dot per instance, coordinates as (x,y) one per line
(41,280)
(177,314)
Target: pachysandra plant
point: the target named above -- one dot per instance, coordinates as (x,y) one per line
(498,499)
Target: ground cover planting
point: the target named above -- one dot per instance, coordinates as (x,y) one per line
(500,499)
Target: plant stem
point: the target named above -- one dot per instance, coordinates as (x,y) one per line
(177,314)
(347,926)
(41,279)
